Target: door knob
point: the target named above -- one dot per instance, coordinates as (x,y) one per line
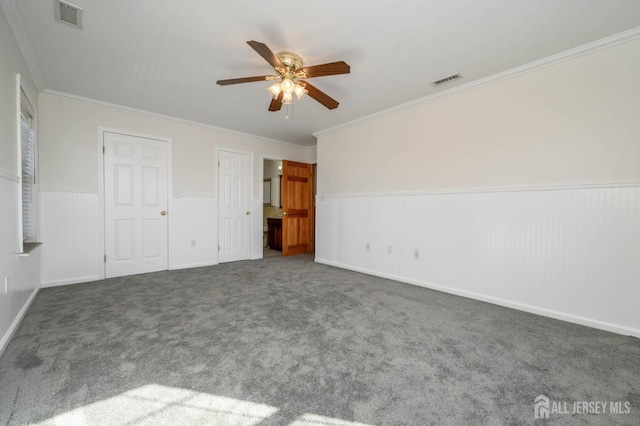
(248,213)
(285,213)
(163,213)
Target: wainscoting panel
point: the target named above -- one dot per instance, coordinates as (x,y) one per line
(22,272)
(571,253)
(193,232)
(71,233)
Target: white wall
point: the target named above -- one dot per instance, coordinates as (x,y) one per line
(566,247)
(23,272)
(573,122)
(69,168)
(271,168)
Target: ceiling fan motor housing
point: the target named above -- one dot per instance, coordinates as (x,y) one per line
(290,60)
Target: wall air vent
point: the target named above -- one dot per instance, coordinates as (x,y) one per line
(447,79)
(68,13)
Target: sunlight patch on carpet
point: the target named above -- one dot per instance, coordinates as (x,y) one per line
(162,405)
(155,404)
(315,420)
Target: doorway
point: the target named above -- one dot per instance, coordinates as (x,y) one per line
(272,208)
(288,208)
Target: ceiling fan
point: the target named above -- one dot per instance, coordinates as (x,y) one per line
(288,69)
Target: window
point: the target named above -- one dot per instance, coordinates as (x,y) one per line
(28,216)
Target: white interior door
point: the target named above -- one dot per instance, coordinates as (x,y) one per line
(234,189)
(135,192)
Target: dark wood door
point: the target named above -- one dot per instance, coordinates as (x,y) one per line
(297,208)
(275,234)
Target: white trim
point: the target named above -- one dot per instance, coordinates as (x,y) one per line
(169,196)
(559,187)
(133,134)
(4,342)
(576,52)
(5,174)
(69,190)
(15,23)
(101,218)
(602,325)
(192,265)
(262,158)
(101,215)
(63,95)
(67,281)
(19,162)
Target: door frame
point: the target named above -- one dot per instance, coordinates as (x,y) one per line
(251,197)
(101,202)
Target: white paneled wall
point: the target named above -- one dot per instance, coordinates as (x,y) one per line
(193,231)
(71,233)
(22,272)
(567,252)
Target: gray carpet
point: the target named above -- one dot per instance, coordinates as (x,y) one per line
(287,341)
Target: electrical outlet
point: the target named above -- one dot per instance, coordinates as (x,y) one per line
(416,254)
(193,243)
(390,249)
(367,247)
(6,285)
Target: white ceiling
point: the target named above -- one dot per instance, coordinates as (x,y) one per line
(165,56)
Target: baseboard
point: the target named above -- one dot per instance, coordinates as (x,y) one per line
(601,325)
(192,265)
(16,322)
(67,281)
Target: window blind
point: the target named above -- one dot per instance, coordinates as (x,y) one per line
(27,146)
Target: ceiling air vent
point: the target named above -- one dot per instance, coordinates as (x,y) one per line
(68,13)
(446,79)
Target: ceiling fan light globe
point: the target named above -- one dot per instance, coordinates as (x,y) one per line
(300,91)
(287,98)
(275,90)
(288,86)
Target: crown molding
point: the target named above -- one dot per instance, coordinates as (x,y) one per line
(576,52)
(69,96)
(15,23)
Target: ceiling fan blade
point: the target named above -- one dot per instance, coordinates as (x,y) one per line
(276,104)
(245,80)
(321,97)
(266,53)
(332,68)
